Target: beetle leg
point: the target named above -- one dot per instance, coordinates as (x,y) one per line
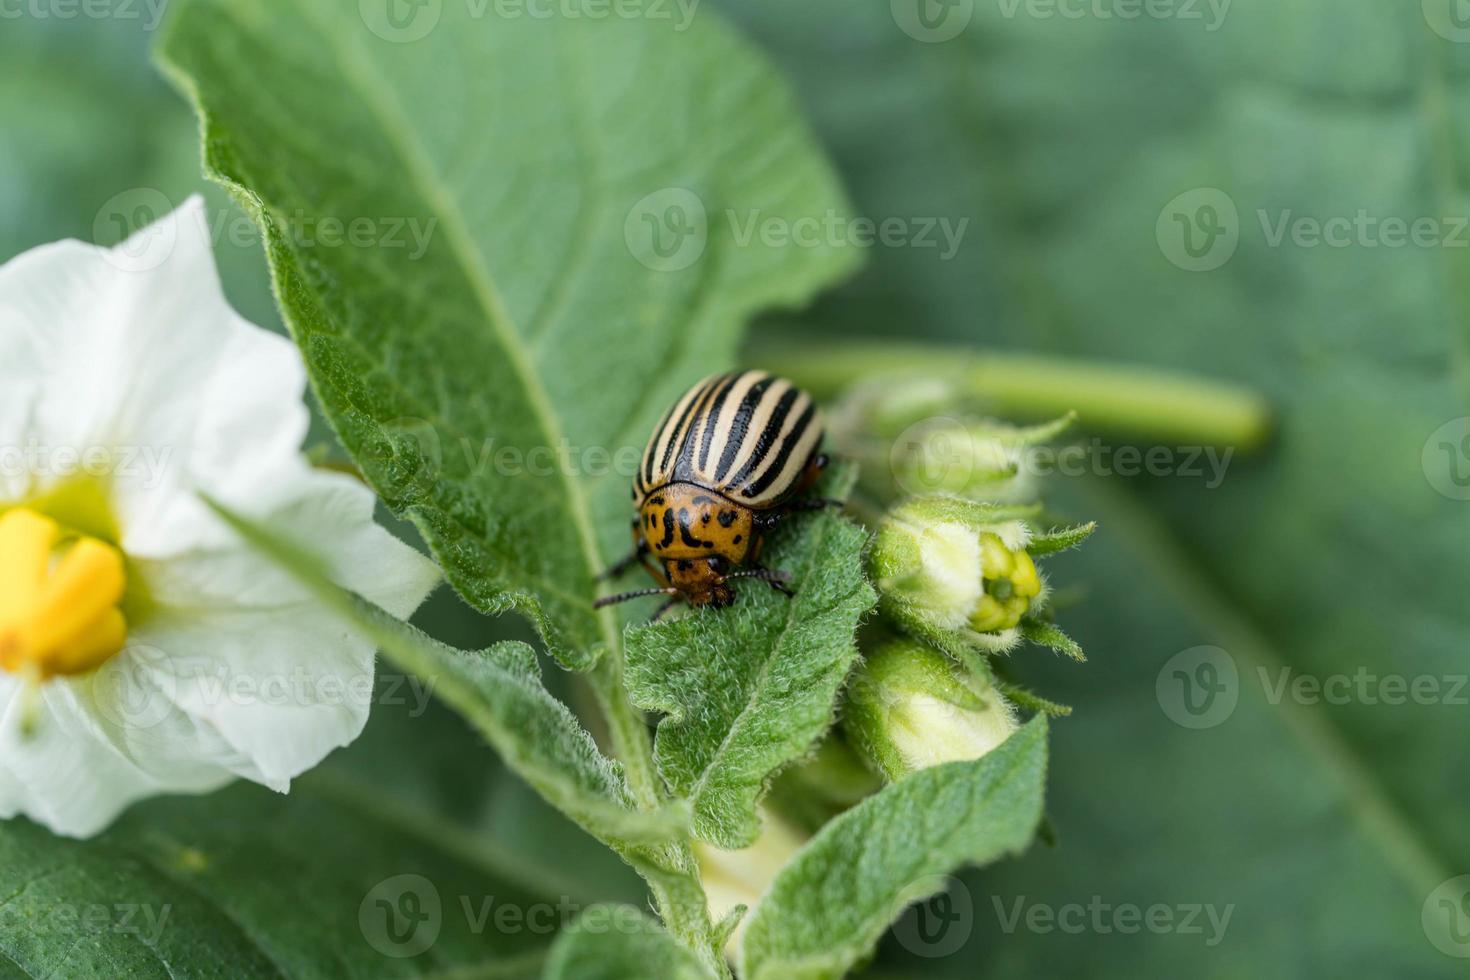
(814,471)
(662,610)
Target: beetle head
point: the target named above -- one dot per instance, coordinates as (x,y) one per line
(701,580)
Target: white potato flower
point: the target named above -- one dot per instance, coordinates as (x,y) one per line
(144,648)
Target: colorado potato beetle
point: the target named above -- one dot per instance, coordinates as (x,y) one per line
(726,464)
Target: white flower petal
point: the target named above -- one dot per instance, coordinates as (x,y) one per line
(82,767)
(237,671)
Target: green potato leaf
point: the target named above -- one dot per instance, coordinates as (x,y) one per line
(828,907)
(749,689)
(249,883)
(545,253)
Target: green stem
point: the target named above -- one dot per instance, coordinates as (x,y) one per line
(671,871)
(682,904)
(1124,400)
(627,731)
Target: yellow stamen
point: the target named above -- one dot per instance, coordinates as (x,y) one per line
(58,604)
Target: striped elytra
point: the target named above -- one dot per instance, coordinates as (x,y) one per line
(725,464)
(747,435)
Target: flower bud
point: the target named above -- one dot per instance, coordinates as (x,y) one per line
(910,707)
(952,568)
(735,878)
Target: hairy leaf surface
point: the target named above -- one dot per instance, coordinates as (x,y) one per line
(549,244)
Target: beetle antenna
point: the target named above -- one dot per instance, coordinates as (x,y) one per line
(775,579)
(625,596)
(767,574)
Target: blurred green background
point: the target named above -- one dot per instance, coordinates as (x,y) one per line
(1081,149)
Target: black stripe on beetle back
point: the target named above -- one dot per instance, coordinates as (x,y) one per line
(738,426)
(714,419)
(689,413)
(767,438)
(708,414)
(783,455)
(667,426)
(648,451)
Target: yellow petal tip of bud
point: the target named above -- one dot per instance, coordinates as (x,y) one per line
(1024,578)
